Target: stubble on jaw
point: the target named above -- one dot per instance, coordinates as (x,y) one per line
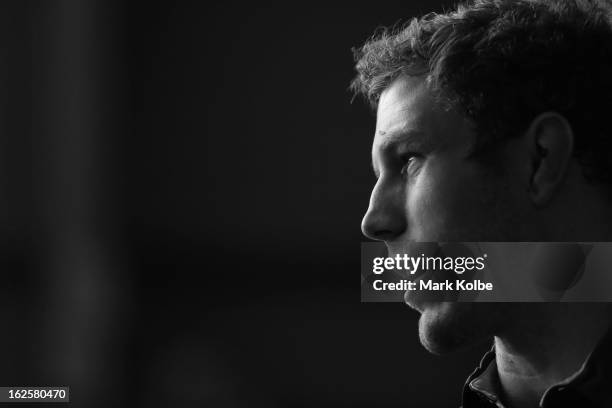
(452,326)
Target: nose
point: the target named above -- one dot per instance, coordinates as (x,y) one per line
(385,218)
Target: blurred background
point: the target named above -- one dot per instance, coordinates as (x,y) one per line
(181,190)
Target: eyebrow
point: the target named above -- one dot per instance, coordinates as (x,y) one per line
(401,136)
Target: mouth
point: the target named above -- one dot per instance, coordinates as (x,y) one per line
(430,289)
(419,298)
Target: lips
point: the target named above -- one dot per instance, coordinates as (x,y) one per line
(413,250)
(418,299)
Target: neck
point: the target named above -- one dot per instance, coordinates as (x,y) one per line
(550,343)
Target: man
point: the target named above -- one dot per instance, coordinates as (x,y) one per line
(494,124)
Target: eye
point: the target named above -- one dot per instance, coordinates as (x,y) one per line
(408,160)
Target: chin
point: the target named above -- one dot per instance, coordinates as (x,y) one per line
(445,327)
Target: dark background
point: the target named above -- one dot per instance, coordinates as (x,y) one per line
(182,190)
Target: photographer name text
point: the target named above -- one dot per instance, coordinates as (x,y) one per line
(431,285)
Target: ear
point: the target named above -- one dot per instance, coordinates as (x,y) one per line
(551,143)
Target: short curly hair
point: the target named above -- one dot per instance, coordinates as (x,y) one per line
(503,62)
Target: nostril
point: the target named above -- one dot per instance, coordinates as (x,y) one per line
(374,229)
(381,228)
(383,234)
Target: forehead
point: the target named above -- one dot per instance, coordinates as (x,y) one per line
(399,103)
(407,105)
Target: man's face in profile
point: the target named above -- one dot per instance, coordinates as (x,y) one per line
(431,189)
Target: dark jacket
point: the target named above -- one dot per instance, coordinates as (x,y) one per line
(590,386)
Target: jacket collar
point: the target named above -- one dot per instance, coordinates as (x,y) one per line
(593,380)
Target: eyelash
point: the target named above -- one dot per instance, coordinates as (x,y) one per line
(407,159)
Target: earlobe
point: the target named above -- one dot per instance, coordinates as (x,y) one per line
(552,144)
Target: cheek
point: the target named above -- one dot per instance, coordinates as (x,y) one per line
(449,201)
